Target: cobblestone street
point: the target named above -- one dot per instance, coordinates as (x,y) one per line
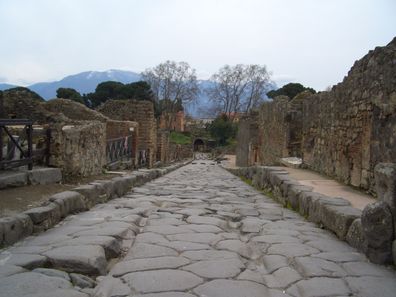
(197,231)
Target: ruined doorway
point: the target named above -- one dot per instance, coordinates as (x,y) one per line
(199,145)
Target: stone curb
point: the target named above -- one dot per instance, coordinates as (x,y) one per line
(82,198)
(333,213)
(37,176)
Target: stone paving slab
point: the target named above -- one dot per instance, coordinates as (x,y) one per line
(197,231)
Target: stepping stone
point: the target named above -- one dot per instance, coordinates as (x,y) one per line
(85,259)
(162,280)
(216,268)
(231,288)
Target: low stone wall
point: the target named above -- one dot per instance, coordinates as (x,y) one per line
(79,150)
(179,152)
(82,198)
(370,231)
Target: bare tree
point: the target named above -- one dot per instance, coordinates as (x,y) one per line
(172,83)
(239,88)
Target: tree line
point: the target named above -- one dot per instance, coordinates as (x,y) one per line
(171,85)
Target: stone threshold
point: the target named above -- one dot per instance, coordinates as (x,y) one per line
(79,199)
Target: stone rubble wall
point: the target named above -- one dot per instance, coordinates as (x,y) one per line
(333,213)
(141,112)
(79,150)
(248,140)
(179,152)
(350,129)
(343,133)
(82,198)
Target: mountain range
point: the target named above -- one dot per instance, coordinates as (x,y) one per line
(86,82)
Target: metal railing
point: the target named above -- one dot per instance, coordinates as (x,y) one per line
(18,150)
(119,149)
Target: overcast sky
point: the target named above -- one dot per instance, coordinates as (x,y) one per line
(314,42)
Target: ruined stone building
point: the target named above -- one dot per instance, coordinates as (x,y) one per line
(141,112)
(342,133)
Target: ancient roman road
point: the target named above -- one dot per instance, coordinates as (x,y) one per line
(197,231)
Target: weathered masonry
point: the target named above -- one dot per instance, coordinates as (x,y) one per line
(343,133)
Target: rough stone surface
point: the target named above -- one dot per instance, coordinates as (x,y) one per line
(162,280)
(344,132)
(260,248)
(377,223)
(44,176)
(231,288)
(355,236)
(82,259)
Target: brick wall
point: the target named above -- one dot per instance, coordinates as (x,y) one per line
(141,112)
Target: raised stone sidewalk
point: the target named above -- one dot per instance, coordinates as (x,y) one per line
(197,231)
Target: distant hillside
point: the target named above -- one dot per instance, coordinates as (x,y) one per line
(84,82)
(6,86)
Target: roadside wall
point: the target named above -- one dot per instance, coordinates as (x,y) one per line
(248,140)
(342,133)
(350,129)
(79,150)
(141,112)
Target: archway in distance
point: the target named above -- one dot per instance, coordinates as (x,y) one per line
(199,145)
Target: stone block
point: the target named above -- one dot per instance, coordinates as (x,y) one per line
(315,212)
(355,236)
(306,200)
(106,188)
(377,223)
(121,186)
(338,218)
(45,217)
(385,184)
(293,193)
(44,176)
(13,179)
(15,228)
(69,202)
(91,194)
(86,259)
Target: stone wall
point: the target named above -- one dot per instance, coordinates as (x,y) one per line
(79,150)
(350,129)
(248,140)
(141,112)
(342,133)
(163,146)
(173,122)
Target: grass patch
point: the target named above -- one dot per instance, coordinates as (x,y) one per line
(180,138)
(246,180)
